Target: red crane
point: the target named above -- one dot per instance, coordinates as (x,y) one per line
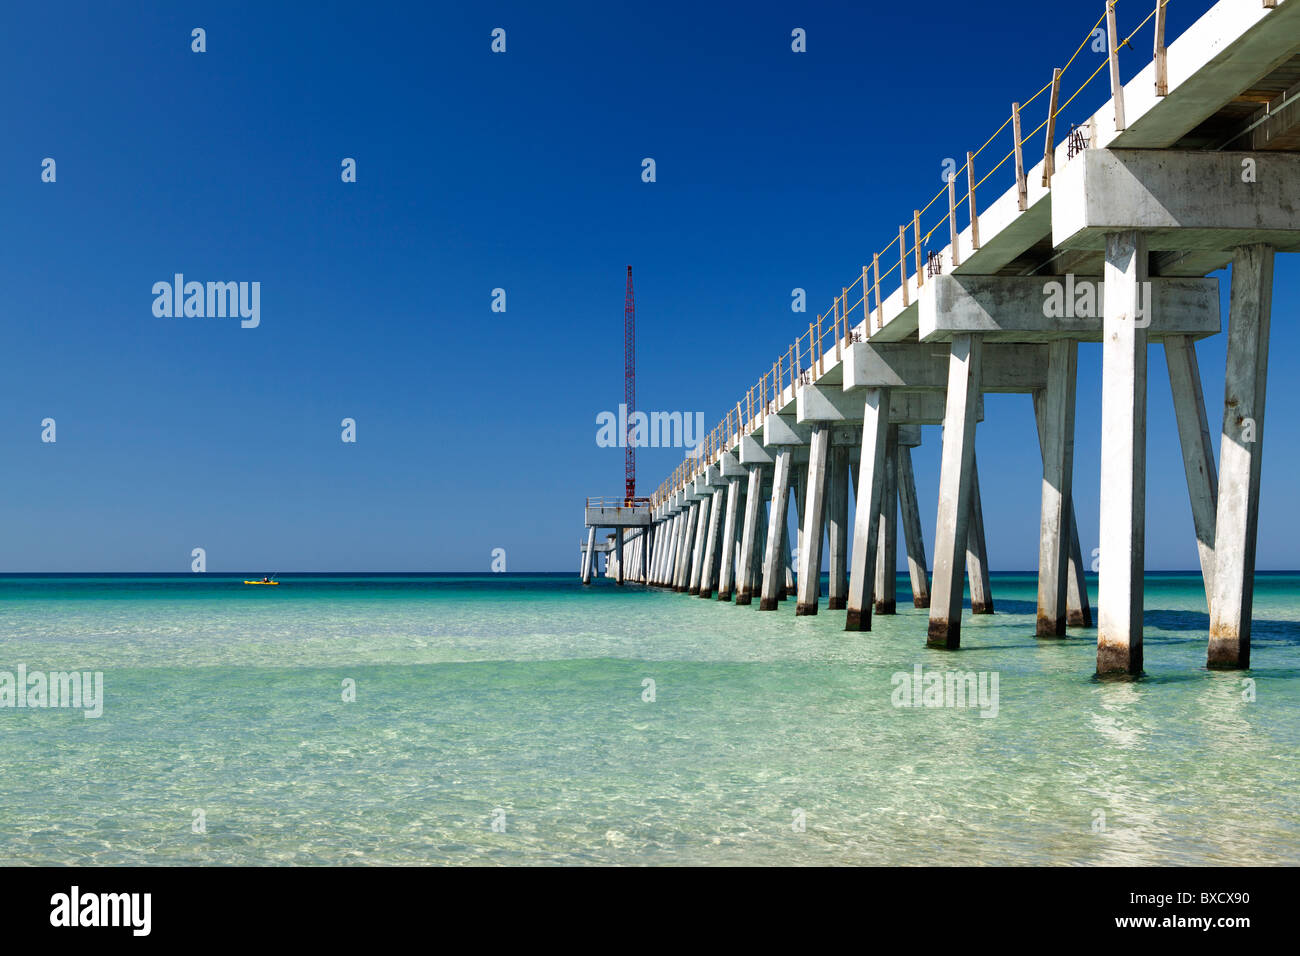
(629,390)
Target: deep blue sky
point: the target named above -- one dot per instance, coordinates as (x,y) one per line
(476,171)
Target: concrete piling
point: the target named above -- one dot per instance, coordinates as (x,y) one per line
(977,555)
(866,527)
(837,528)
(711,556)
(1078,612)
(618,550)
(1054,408)
(955,484)
(1241,451)
(750,534)
(912,538)
(726,575)
(814,505)
(588,556)
(775,560)
(1122,536)
(887,537)
(1198,452)
(702,509)
(681,580)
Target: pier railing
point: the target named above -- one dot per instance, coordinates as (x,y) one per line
(618,502)
(822,345)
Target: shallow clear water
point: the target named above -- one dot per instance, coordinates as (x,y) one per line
(524,693)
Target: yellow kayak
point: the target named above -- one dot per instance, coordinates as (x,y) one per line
(274,583)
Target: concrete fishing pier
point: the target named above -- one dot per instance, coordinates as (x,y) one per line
(1190,167)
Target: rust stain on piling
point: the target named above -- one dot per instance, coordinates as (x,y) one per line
(943,635)
(1227,650)
(857,620)
(1117,657)
(1049,626)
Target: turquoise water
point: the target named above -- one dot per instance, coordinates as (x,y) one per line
(525,694)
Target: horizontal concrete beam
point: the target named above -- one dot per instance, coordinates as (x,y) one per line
(923,408)
(754,452)
(1181,200)
(729,465)
(824,403)
(916,365)
(784,430)
(894,365)
(1042,308)
(617,517)
(908,408)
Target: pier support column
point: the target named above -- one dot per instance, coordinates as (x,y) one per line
(887,539)
(726,574)
(665,560)
(952,525)
(1054,405)
(777,543)
(798,488)
(837,528)
(977,553)
(661,541)
(741,484)
(912,537)
(711,545)
(866,527)
(673,571)
(1198,452)
(588,555)
(1241,450)
(651,553)
(618,550)
(681,579)
(669,565)
(674,546)
(814,504)
(643,554)
(1122,537)
(1078,612)
(749,535)
(704,506)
